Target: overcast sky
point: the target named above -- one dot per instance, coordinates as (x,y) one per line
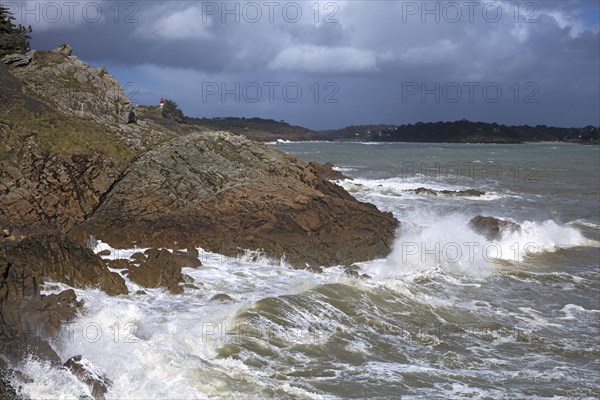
(329,64)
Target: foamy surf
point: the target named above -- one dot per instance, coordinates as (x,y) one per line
(518,319)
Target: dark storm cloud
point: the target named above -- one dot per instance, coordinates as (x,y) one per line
(543,56)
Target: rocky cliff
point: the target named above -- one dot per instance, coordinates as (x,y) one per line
(71,167)
(225,193)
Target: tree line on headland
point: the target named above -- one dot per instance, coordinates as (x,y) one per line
(465,131)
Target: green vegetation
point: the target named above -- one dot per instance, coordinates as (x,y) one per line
(257,128)
(65,136)
(172,111)
(464,131)
(13,38)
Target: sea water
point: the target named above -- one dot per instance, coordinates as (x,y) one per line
(448,314)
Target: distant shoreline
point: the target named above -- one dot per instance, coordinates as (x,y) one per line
(561,143)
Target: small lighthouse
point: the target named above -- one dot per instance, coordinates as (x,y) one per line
(162,103)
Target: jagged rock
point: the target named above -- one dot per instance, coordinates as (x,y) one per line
(64,49)
(119,263)
(221,297)
(161,269)
(314,268)
(326,171)
(175,187)
(7,391)
(97,381)
(138,257)
(104,253)
(74,87)
(187,279)
(225,193)
(29,318)
(192,252)
(18,60)
(131,117)
(57,258)
(354,271)
(493,228)
(40,190)
(432,192)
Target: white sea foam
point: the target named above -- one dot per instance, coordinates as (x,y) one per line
(427,241)
(576,312)
(342,169)
(404,187)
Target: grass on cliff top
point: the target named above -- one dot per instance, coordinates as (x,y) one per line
(65,136)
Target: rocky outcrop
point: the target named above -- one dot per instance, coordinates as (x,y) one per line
(56,258)
(326,171)
(63,49)
(63,178)
(161,268)
(432,192)
(40,189)
(18,60)
(225,193)
(27,317)
(221,297)
(73,86)
(493,228)
(96,380)
(7,391)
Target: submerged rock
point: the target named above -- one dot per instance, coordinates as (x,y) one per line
(493,228)
(221,297)
(7,390)
(432,192)
(90,375)
(354,271)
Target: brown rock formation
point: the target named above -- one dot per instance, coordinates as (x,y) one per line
(161,268)
(493,228)
(226,193)
(73,86)
(70,168)
(28,317)
(56,258)
(84,371)
(42,190)
(432,192)
(326,171)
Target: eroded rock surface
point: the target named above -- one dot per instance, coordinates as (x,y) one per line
(326,171)
(73,86)
(493,228)
(72,168)
(225,193)
(433,192)
(88,374)
(161,268)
